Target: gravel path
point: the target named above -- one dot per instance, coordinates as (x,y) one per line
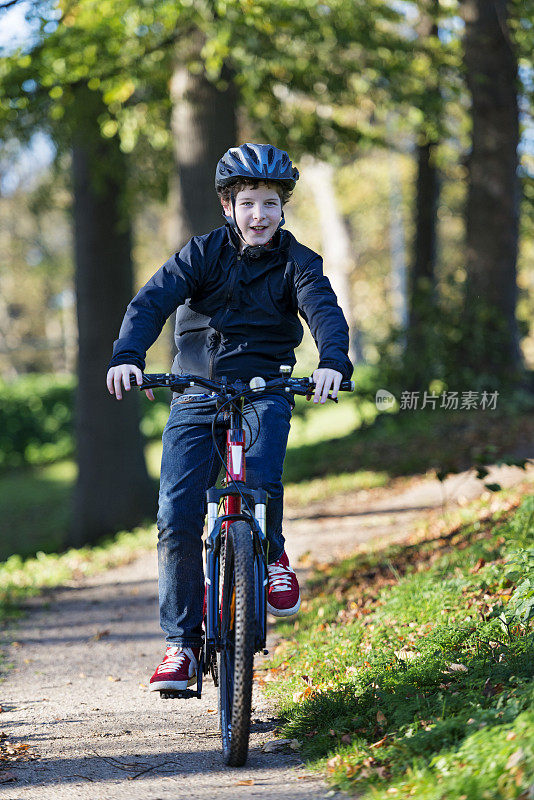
(82,657)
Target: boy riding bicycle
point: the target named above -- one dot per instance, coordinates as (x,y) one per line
(237,292)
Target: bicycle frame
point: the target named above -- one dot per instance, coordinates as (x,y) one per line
(235,488)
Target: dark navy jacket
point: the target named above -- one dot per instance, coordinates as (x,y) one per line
(237,315)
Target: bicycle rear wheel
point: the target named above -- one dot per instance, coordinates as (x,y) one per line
(236,659)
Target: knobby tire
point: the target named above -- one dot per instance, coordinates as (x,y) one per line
(236,659)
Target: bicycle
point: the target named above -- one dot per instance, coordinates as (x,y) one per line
(236,558)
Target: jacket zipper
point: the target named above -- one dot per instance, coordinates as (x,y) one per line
(231,285)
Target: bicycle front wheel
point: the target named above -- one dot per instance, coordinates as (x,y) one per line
(236,658)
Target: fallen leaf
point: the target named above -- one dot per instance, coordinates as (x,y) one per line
(515,759)
(457,668)
(275,744)
(380,743)
(298,697)
(346,738)
(247,782)
(406,655)
(382,772)
(380,717)
(490,690)
(334,762)
(111,678)
(99,635)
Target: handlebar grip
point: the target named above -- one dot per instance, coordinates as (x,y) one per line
(347,386)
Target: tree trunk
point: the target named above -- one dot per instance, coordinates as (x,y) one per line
(424,252)
(113,491)
(492,215)
(421,350)
(203,126)
(336,245)
(399,293)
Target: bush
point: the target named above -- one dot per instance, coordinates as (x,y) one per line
(37,419)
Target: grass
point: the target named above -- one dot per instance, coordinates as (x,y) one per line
(300,494)
(410,672)
(35,508)
(22,578)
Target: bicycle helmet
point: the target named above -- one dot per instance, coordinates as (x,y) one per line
(256,161)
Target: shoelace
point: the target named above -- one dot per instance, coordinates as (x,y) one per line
(279,577)
(174,659)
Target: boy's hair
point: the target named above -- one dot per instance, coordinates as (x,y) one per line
(242,183)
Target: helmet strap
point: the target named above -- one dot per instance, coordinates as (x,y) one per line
(238,229)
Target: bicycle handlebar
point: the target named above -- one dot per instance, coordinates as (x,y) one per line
(301,386)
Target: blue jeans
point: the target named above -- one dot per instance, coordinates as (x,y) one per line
(189,466)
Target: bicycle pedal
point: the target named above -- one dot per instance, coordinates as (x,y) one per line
(178,694)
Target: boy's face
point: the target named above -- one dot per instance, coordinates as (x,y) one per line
(257,213)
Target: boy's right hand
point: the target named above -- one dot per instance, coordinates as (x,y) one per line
(121,374)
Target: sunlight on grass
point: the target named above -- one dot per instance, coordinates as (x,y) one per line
(409,671)
(324,422)
(153,458)
(299,494)
(60,472)
(21,578)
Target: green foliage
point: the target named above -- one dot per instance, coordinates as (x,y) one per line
(407,685)
(35,420)
(459,348)
(345,63)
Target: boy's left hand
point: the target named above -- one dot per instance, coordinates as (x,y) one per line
(325,380)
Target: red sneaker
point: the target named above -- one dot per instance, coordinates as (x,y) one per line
(283,598)
(178,670)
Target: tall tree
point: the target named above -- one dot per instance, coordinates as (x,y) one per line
(492,215)
(113,490)
(204,126)
(336,249)
(420,352)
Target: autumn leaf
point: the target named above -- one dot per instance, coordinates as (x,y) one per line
(99,635)
(380,743)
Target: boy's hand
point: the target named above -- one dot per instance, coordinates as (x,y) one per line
(119,374)
(325,380)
